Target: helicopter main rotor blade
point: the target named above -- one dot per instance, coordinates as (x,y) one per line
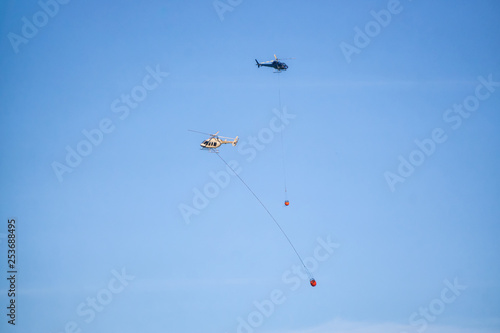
(203,133)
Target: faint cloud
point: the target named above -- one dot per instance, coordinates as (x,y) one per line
(344,326)
(170,284)
(99,300)
(390,83)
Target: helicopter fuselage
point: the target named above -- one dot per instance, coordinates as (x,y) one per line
(211,143)
(281,66)
(216,141)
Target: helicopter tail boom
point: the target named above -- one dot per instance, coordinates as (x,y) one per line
(229,140)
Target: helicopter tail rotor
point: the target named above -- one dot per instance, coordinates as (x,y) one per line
(235,142)
(258,65)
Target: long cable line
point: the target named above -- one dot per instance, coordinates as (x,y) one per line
(271,215)
(282,141)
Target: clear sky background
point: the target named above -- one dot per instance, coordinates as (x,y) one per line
(421,255)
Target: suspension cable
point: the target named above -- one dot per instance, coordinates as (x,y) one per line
(271,215)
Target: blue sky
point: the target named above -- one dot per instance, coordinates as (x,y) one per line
(391,161)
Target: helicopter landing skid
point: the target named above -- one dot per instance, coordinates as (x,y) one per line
(211,150)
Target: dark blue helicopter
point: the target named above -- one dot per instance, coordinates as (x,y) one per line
(276,64)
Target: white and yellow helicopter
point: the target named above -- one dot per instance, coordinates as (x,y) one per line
(216,141)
